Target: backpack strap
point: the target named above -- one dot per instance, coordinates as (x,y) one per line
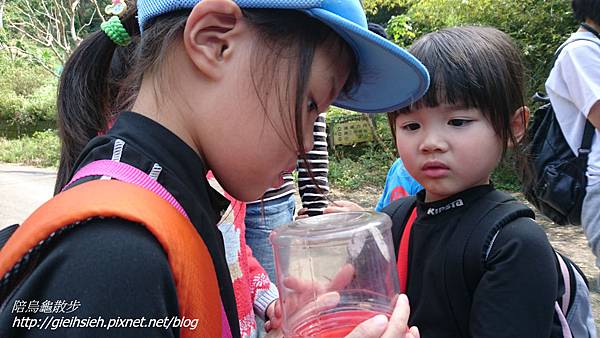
(402,261)
(113,169)
(188,256)
(399,211)
(126,173)
(466,254)
(6,233)
(588,132)
(402,221)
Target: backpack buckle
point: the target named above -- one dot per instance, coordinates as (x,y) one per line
(584,151)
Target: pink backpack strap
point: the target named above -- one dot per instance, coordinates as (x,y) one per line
(564,325)
(126,173)
(567,280)
(130,174)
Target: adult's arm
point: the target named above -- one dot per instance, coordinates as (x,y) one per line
(580,68)
(594,115)
(313,195)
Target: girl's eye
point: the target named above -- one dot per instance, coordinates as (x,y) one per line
(459,122)
(312,106)
(411,126)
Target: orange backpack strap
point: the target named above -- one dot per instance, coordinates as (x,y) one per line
(188,256)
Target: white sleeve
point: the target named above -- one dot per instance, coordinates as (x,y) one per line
(579,66)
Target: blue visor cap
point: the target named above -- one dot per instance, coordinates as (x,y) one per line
(390,78)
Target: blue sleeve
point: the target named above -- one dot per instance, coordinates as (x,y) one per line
(399,183)
(384,200)
(414,186)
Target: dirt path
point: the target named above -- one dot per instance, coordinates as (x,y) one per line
(568,240)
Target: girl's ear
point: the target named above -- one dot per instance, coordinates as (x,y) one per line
(210,35)
(518,123)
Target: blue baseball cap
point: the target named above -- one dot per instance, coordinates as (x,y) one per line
(390,77)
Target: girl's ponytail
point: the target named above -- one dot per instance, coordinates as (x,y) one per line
(86,95)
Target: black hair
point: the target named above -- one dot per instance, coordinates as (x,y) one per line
(85,95)
(586,9)
(89,95)
(474,67)
(377,29)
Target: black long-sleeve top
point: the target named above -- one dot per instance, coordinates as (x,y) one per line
(115,268)
(515,296)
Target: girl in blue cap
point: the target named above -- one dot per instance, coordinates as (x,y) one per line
(202,71)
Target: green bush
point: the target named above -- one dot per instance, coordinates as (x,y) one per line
(10,106)
(27,93)
(42,103)
(538,26)
(380,11)
(362,166)
(42,149)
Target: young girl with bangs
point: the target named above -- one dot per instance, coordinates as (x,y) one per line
(202,71)
(450,141)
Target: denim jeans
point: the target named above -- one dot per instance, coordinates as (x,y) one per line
(277,212)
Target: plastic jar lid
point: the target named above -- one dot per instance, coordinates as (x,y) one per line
(329,228)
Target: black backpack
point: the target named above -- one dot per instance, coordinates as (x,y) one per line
(555,178)
(469,247)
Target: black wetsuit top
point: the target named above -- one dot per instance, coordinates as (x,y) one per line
(115,268)
(514,298)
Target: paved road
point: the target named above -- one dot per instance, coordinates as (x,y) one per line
(22,190)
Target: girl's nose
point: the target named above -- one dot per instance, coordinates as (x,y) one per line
(433,142)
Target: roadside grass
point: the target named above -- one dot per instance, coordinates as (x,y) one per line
(42,149)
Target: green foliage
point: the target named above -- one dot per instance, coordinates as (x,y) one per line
(400,29)
(42,149)
(356,167)
(382,130)
(27,92)
(364,164)
(538,26)
(46,32)
(380,11)
(505,176)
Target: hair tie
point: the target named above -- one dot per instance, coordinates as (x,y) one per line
(113,28)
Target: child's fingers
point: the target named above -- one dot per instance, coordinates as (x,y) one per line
(414,332)
(275,334)
(302,213)
(299,285)
(343,203)
(342,278)
(370,328)
(342,206)
(398,325)
(278,310)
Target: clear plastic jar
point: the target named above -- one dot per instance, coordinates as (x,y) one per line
(334,271)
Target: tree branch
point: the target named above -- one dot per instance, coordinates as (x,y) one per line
(35,59)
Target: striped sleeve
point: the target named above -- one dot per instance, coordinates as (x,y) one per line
(313,192)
